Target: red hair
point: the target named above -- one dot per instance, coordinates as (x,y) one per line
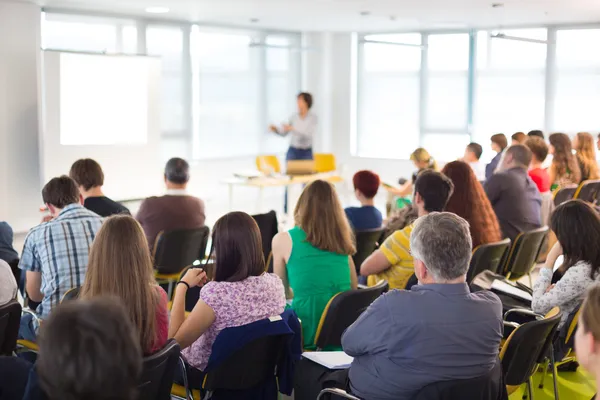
(470,202)
(367,183)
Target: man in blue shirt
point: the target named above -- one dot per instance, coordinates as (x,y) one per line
(437,331)
(366,217)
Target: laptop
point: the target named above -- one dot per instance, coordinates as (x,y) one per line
(300,167)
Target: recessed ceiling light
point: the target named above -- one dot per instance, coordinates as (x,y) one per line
(157,10)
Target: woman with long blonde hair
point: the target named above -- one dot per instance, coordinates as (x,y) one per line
(564,169)
(120,265)
(314,259)
(584,145)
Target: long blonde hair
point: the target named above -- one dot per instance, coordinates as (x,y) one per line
(120,265)
(321,216)
(586,154)
(421,155)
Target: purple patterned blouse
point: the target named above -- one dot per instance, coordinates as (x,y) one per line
(236,304)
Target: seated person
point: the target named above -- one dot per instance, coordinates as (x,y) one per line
(314,259)
(423,161)
(564,170)
(472,157)
(8,284)
(587,338)
(576,225)
(499,143)
(394,261)
(536,133)
(120,265)
(514,197)
(537,173)
(90,178)
(583,143)
(518,138)
(55,254)
(241,292)
(176,209)
(366,217)
(7,251)
(437,331)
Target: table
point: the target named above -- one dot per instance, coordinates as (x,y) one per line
(263,182)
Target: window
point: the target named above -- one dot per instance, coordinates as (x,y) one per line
(388,95)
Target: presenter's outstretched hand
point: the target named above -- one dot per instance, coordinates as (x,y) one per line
(273,128)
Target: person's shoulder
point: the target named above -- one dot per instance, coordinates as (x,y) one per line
(488,299)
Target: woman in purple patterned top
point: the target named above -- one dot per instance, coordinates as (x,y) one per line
(241,292)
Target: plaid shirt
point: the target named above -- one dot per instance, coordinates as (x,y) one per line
(59,249)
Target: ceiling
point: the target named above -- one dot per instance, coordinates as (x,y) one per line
(345,15)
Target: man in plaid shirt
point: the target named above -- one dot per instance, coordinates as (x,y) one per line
(55,255)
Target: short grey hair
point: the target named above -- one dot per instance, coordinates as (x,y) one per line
(442,241)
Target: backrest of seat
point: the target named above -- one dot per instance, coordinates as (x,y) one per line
(487,257)
(10,318)
(524,252)
(342,311)
(248,367)
(324,162)
(71,294)
(564,194)
(268,225)
(589,191)
(366,243)
(524,349)
(158,371)
(268,164)
(564,341)
(176,250)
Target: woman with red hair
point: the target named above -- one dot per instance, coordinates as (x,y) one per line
(366,217)
(470,202)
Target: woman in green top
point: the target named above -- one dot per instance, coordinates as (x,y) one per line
(314,259)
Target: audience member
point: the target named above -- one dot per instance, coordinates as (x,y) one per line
(8,284)
(423,161)
(7,251)
(469,201)
(314,259)
(515,198)
(55,254)
(120,265)
(587,338)
(394,261)
(472,155)
(499,143)
(89,350)
(537,173)
(518,138)
(437,331)
(536,133)
(583,144)
(90,179)
(367,216)
(176,209)
(577,226)
(564,170)
(241,292)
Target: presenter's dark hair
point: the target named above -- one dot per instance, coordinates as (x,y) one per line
(87,173)
(177,171)
(60,192)
(308,99)
(89,350)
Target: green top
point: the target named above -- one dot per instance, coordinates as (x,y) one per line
(315,276)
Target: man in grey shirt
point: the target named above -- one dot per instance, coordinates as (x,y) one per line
(437,331)
(514,196)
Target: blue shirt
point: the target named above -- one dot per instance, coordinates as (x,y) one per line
(364,218)
(408,339)
(59,250)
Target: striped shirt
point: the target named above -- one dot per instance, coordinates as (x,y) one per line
(59,250)
(396,249)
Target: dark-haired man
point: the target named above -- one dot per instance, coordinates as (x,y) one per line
(55,255)
(394,261)
(176,209)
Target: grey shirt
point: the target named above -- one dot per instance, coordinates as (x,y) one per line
(304,130)
(408,339)
(516,201)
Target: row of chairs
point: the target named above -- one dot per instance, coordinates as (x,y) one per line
(588,191)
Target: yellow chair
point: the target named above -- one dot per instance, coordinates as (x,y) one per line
(268,164)
(324,162)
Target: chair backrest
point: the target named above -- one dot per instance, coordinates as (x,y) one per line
(366,244)
(489,386)
(268,164)
(248,367)
(524,253)
(268,225)
(158,371)
(565,339)
(324,162)
(175,250)
(563,194)
(526,346)
(342,311)
(71,294)
(487,257)
(589,191)
(10,318)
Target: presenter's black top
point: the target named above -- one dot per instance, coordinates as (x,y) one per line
(104,207)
